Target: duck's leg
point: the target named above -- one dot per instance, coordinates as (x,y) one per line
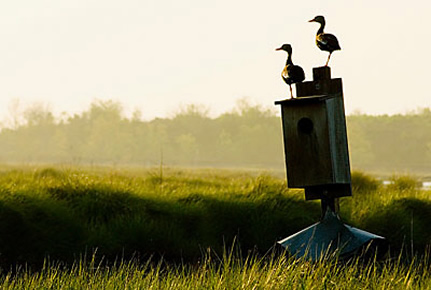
(291,93)
(329,56)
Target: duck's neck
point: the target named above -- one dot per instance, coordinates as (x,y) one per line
(322,26)
(289,59)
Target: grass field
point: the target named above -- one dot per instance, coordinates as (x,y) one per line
(128,215)
(229,271)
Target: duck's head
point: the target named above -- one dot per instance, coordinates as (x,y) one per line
(285,47)
(320,19)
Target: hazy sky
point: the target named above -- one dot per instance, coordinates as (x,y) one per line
(156,55)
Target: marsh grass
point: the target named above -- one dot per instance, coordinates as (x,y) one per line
(62,212)
(132,214)
(227,271)
(402,183)
(363,183)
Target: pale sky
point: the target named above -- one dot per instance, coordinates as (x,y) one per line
(158,55)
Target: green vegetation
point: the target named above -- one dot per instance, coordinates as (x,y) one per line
(64,212)
(363,183)
(398,143)
(168,228)
(248,136)
(230,271)
(171,213)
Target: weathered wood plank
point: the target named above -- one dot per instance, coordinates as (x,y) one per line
(315,137)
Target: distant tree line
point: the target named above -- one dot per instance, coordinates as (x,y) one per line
(391,143)
(248,136)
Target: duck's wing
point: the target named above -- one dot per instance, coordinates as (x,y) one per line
(327,41)
(297,74)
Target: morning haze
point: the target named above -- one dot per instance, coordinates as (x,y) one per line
(159,55)
(248,136)
(79,76)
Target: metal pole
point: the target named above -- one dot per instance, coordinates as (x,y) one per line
(332,203)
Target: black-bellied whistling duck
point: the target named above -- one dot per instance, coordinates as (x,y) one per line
(325,41)
(291,73)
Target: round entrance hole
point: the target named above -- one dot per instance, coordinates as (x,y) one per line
(305,125)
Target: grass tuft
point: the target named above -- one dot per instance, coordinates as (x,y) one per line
(363,183)
(403,183)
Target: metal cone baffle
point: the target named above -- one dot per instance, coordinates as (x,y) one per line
(327,237)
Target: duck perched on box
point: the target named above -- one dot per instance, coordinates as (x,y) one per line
(325,41)
(291,73)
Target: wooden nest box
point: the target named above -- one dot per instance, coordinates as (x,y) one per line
(315,138)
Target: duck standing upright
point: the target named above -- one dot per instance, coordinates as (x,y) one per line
(291,73)
(325,41)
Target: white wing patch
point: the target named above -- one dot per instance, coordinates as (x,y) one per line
(285,73)
(322,40)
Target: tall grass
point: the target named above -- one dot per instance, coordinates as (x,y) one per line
(229,271)
(400,211)
(62,212)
